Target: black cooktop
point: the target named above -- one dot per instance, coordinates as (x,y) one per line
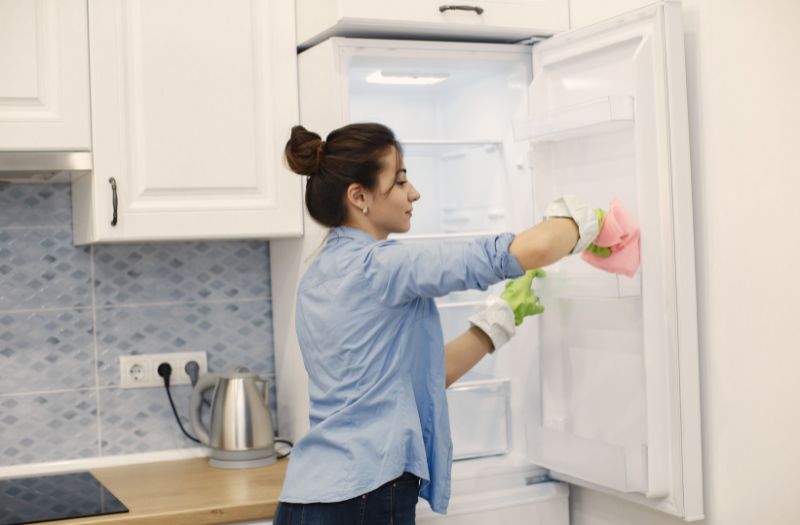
(56,497)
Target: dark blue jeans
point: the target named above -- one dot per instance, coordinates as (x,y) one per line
(391,504)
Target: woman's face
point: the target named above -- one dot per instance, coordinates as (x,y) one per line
(392,200)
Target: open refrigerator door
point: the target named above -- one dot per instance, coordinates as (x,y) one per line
(617,403)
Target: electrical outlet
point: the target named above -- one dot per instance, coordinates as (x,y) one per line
(141,371)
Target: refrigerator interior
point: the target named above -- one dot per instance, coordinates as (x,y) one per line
(474,180)
(453,113)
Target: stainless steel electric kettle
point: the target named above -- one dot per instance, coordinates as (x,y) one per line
(240,433)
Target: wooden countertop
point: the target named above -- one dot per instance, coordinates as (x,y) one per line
(188,492)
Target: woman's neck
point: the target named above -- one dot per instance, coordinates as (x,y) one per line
(363,223)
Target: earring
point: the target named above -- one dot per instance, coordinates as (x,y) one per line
(365,209)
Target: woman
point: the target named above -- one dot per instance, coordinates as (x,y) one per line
(371,338)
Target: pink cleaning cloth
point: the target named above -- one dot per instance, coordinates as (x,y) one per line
(620,233)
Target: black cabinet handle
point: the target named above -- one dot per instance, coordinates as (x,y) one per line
(113,183)
(443,8)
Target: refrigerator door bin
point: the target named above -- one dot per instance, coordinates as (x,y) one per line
(602,115)
(615,466)
(480,417)
(588,283)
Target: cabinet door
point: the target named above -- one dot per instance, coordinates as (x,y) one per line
(192,104)
(619,404)
(44,67)
(483,20)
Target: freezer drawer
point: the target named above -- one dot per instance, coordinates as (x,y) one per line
(480,417)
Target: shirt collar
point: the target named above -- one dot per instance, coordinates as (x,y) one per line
(348,232)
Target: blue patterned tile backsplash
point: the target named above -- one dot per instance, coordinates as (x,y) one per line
(68,313)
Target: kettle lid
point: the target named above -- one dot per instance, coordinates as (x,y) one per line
(240,372)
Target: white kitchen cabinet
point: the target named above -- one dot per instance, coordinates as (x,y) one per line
(487,20)
(192,103)
(44,67)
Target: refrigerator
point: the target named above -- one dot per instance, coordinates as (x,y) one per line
(602,389)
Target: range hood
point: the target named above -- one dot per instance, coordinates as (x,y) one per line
(23,166)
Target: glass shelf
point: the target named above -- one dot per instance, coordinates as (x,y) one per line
(417,142)
(597,116)
(463,186)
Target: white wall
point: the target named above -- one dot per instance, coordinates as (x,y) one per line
(743,62)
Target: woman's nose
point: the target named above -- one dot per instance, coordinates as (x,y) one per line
(414,195)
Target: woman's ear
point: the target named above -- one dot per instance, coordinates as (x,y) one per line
(357,196)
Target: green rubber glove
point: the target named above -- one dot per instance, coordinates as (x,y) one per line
(519,296)
(600,251)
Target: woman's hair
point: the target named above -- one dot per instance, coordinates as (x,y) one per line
(350,154)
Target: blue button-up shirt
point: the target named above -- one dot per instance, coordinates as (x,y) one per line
(372,344)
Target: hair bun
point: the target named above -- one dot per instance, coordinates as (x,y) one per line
(303,151)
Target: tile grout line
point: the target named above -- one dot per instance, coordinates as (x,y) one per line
(100,388)
(48,392)
(46,310)
(131,305)
(191,301)
(96,352)
(36,227)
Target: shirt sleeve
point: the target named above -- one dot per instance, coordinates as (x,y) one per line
(398,273)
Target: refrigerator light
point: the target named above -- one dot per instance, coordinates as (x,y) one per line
(386,77)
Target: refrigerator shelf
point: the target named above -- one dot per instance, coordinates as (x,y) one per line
(602,115)
(451,149)
(452,142)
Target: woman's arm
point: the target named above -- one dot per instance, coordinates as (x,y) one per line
(464,352)
(545,243)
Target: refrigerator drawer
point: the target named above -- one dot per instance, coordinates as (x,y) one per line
(537,504)
(480,417)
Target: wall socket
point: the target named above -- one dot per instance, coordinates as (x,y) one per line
(141,371)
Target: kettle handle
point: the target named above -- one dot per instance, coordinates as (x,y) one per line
(204,383)
(263,387)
